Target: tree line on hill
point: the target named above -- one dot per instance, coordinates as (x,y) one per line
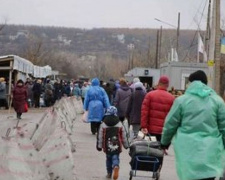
(99,52)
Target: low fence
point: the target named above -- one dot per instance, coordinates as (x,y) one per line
(42,150)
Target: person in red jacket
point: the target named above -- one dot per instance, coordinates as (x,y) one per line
(155,107)
(19,98)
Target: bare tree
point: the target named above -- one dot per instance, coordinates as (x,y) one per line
(2,25)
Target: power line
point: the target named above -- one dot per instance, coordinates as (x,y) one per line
(198,24)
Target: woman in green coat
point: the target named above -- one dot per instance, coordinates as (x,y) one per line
(196,122)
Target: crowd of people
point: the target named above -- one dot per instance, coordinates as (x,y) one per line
(193,121)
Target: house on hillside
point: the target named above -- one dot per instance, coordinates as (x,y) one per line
(21,33)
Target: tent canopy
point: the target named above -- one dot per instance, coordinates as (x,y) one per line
(27,67)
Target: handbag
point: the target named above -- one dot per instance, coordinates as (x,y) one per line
(26,107)
(85,117)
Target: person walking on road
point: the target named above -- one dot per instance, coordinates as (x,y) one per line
(84,90)
(122,98)
(3,93)
(155,107)
(77,91)
(196,122)
(134,107)
(37,90)
(111,137)
(96,102)
(19,94)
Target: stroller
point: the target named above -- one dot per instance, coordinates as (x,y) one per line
(145,155)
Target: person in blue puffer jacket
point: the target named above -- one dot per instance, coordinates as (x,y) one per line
(95,102)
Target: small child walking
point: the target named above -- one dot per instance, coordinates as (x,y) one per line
(111,137)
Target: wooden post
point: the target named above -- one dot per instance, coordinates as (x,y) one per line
(157,50)
(160,45)
(217,54)
(207,36)
(10,82)
(178,32)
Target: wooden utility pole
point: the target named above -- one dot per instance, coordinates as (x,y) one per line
(157,50)
(160,45)
(207,35)
(149,52)
(178,32)
(217,55)
(211,60)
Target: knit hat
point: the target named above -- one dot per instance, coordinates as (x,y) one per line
(198,76)
(138,85)
(2,79)
(136,80)
(164,80)
(111,111)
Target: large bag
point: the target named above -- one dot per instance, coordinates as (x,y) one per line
(145,148)
(85,117)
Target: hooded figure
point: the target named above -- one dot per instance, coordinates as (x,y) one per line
(134,107)
(122,98)
(196,122)
(19,98)
(95,102)
(111,137)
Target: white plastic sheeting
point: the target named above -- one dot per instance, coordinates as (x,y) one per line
(26,67)
(23,65)
(42,72)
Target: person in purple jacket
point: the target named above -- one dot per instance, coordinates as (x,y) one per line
(133,113)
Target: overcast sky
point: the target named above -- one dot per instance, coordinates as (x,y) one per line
(105,13)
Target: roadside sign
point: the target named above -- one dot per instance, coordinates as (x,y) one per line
(210,63)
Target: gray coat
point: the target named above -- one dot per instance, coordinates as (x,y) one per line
(122,98)
(2,90)
(134,106)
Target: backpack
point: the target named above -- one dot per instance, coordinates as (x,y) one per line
(112,140)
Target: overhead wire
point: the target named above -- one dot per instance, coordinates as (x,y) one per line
(198,24)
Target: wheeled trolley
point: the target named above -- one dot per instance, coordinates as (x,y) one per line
(146,163)
(146,156)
